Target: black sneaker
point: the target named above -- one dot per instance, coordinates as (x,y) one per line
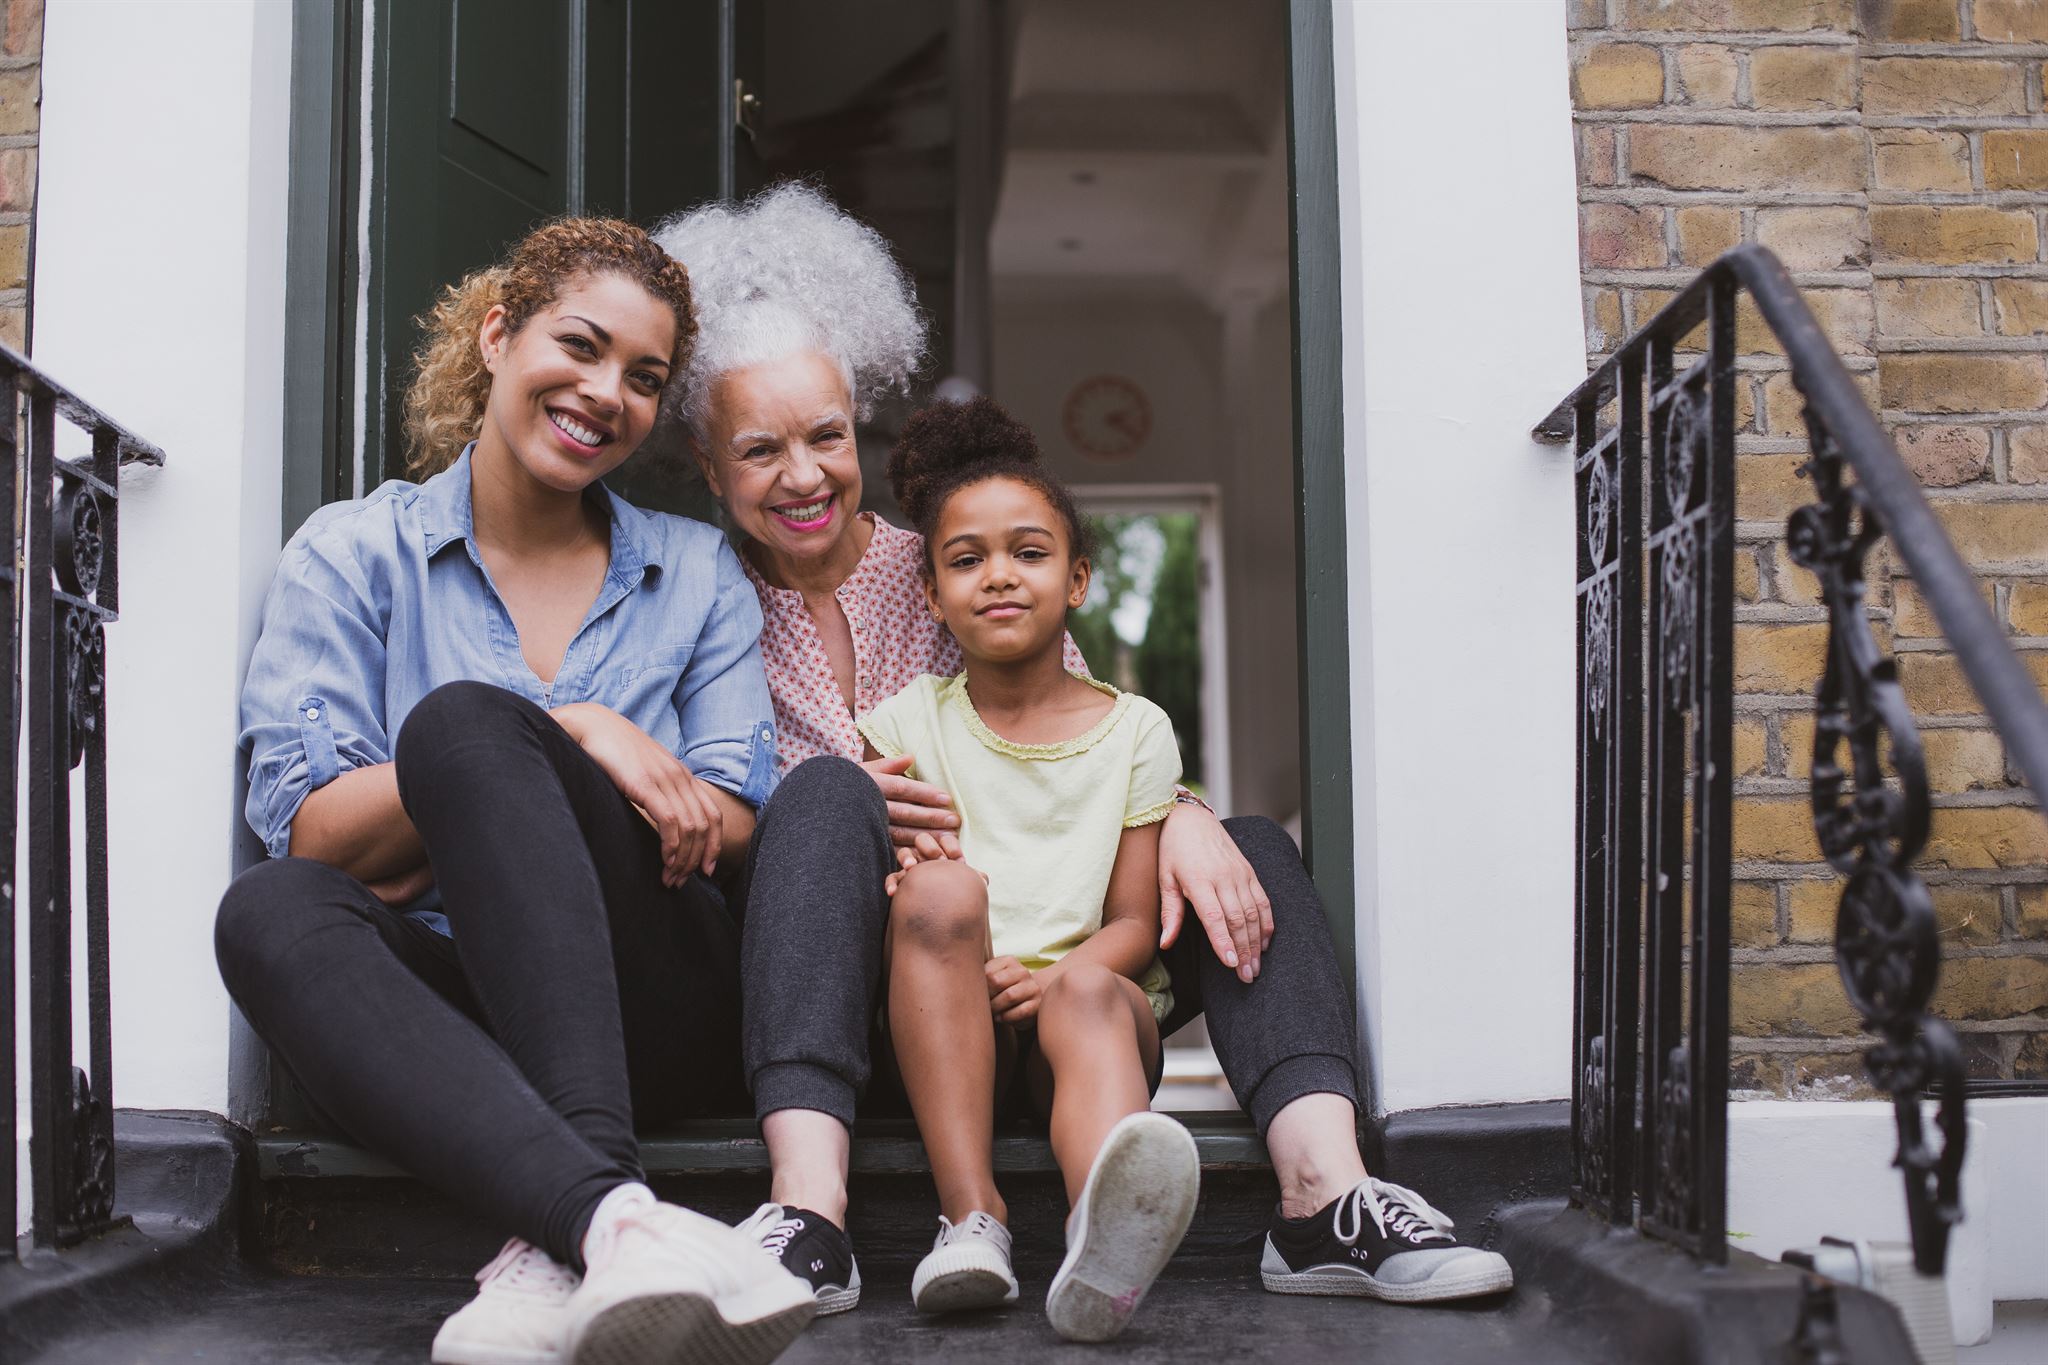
(1380,1241)
(814,1249)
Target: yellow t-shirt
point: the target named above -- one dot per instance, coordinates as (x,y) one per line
(1041,820)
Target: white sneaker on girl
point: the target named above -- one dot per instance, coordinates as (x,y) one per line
(666,1286)
(517,1316)
(967,1267)
(1135,1208)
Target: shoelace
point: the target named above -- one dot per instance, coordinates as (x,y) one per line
(772,1228)
(1393,1209)
(976,1224)
(521,1265)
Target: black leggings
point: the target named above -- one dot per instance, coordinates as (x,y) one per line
(506,1065)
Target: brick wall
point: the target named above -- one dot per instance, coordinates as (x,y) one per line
(1895,154)
(21,57)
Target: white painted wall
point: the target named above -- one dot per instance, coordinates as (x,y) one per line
(1461,329)
(159,296)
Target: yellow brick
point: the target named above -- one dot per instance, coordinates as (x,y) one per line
(1727,158)
(1748,582)
(1795,732)
(14,256)
(1622,237)
(1829,238)
(1769,486)
(1706,231)
(2027,607)
(2033,912)
(2021,306)
(2011,21)
(2016,159)
(1913,21)
(1963,760)
(1921,159)
(1991,987)
(1954,234)
(1751,748)
(1773,830)
(1783,404)
(1965,837)
(1935,686)
(1913,619)
(14,326)
(1928,308)
(1778,16)
(1845,315)
(1796,585)
(1967,914)
(1936,382)
(1813,905)
(1603,320)
(1987,533)
(20,90)
(2027,455)
(1753,914)
(1596,154)
(1707,75)
(1804,1000)
(1618,76)
(1928,86)
(1802,78)
(1945,457)
(18,179)
(1779,658)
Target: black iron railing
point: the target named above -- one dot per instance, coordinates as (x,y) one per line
(62,591)
(1655,462)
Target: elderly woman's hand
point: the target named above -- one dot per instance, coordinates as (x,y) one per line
(914,807)
(1199,865)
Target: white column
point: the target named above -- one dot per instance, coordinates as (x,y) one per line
(1461,329)
(159,297)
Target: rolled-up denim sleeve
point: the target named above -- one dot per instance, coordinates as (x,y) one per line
(728,720)
(312,703)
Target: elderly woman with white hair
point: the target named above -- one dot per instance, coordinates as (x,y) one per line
(805,320)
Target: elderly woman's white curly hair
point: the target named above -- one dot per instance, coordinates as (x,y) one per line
(785,272)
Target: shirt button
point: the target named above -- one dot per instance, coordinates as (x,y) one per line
(312,713)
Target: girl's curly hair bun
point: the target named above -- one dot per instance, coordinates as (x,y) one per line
(946,447)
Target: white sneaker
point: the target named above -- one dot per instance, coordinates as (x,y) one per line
(517,1316)
(666,1286)
(1135,1208)
(967,1267)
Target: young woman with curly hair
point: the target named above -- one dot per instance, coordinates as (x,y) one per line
(507,739)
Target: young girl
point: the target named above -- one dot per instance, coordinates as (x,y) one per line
(1031,939)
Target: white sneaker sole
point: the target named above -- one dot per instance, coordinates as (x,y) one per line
(960,1278)
(1135,1208)
(480,1353)
(1358,1285)
(686,1329)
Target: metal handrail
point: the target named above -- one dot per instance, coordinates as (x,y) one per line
(2009,695)
(1657,498)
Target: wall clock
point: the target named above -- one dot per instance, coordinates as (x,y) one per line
(1107,417)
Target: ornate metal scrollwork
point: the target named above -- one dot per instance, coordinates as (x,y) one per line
(1593,1173)
(1680,614)
(85,676)
(92,1155)
(1886,944)
(1675,1194)
(80,548)
(1688,442)
(1599,666)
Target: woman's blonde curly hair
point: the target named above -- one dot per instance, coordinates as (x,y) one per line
(444,407)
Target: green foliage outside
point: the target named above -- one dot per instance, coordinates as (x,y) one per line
(1141,627)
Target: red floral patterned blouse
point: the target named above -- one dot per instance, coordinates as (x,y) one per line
(895,640)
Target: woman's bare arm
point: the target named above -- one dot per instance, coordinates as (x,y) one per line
(357,824)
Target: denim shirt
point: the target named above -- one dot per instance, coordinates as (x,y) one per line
(379,601)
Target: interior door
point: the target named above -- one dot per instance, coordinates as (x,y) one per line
(490,116)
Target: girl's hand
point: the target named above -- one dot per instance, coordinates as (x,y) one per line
(1200,866)
(914,807)
(669,795)
(925,850)
(1014,990)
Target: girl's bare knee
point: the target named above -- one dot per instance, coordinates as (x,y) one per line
(940,907)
